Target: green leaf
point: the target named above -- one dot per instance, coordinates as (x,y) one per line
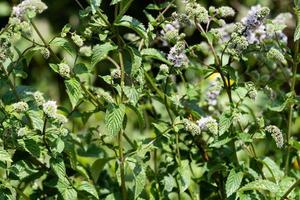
(134,24)
(139,174)
(220,142)
(185,175)
(69,194)
(136,60)
(132,94)
(295,144)
(54,67)
(101,51)
(64,43)
(281,107)
(32,145)
(233,182)
(73,91)
(114,118)
(155,54)
(89,188)
(272,170)
(140,180)
(260,185)
(36,118)
(58,166)
(97,167)
(4,156)
(80,68)
(60,145)
(169,183)
(224,123)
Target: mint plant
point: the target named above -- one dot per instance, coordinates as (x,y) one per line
(149,112)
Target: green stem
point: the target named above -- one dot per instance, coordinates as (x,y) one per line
(217,63)
(121,133)
(122,168)
(290,110)
(44,135)
(167,103)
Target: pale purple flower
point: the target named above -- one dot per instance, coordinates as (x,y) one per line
(177,55)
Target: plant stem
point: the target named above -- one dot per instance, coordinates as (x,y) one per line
(44,135)
(121,133)
(290,110)
(218,63)
(122,170)
(79,4)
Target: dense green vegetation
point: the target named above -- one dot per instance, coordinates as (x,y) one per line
(154,99)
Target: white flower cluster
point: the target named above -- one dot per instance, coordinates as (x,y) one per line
(28,8)
(77,39)
(195,11)
(276,135)
(208,124)
(50,109)
(177,55)
(20,107)
(64,70)
(191,127)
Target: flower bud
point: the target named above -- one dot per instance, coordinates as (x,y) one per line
(45,53)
